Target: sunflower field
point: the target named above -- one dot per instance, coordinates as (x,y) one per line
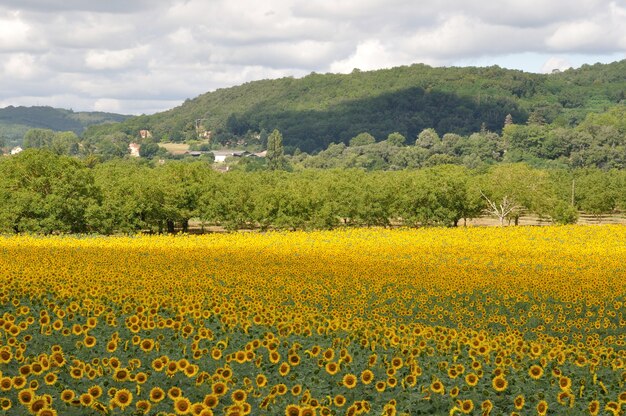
(482,321)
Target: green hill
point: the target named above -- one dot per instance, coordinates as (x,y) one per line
(15,121)
(319,109)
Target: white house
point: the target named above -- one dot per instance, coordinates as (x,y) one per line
(16,150)
(134,149)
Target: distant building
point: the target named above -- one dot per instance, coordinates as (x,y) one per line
(16,150)
(134,148)
(145,134)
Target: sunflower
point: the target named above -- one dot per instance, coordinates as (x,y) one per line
(146,345)
(261,380)
(216,353)
(339,400)
(238,396)
(240,357)
(5,404)
(437,387)
(95,391)
(565,383)
(613,407)
(123,398)
(141,377)
(157,365)
(284,369)
(89,341)
(121,374)
(563,398)
(349,381)
(174,392)
(292,410)
(38,404)
(281,389)
(499,383)
(211,401)
(396,363)
(307,411)
(50,379)
(143,406)
(26,396)
(6,383)
(332,368)
(535,372)
(157,394)
(86,399)
(219,388)
(197,408)
(467,406)
(296,390)
(25,370)
(542,408)
(519,401)
(191,370)
(471,379)
(367,377)
(67,395)
(294,360)
(594,408)
(182,405)
(486,406)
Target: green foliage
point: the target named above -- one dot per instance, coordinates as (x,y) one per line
(275,152)
(16,121)
(362,139)
(44,193)
(317,110)
(396,139)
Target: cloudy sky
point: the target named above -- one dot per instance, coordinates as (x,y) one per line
(143,56)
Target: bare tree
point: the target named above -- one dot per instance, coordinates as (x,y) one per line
(502,209)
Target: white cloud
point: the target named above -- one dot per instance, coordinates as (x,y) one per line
(107,59)
(163,51)
(555,63)
(109,105)
(576,35)
(370,54)
(20,66)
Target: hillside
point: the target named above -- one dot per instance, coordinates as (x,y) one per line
(319,109)
(15,121)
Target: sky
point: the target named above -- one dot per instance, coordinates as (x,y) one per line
(145,56)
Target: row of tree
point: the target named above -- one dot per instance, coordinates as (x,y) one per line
(42,192)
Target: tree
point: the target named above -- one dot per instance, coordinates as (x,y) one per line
(508,120)
(65,143)
(149,150)
(511,189)
(427,138)
(38,138)
(275,151)
(46,193)
(362,139)
(396,139)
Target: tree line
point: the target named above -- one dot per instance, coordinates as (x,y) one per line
(319,109)
(42,192)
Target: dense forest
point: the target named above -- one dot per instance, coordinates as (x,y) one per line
(42,192)
(16,121)
(320,109)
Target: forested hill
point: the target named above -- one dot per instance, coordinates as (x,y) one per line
(318,109)
(15,121)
